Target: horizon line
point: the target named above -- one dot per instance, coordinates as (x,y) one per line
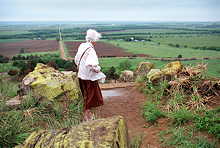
(201,21)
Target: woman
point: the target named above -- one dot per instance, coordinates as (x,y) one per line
(89,73)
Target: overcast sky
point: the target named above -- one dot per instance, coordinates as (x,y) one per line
(110,10)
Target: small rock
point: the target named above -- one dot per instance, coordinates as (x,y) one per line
(14,101)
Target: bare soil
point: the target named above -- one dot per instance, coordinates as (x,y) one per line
(102,49)
(11,49)
(129,106)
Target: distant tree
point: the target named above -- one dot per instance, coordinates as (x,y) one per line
(179,56)
(177,45)
(3,59)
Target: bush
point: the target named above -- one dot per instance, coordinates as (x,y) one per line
(3,59)
(111,73)
(179,56)
(125,65)
(151,112)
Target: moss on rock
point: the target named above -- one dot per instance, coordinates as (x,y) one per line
(143,68)
(101,133)
(169,70)
(49,83)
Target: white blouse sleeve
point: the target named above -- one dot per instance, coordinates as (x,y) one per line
(92,58)
(78,55)
(92,61)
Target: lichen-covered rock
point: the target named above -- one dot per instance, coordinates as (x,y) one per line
(143,68)
(51,84)
(127,76)
(154,74)
(172,68)
(101,133)
(168,71)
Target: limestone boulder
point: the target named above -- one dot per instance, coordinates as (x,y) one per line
(154,74)
(101,133)
(143,68)
(51,84)
(127,76)
(170,70)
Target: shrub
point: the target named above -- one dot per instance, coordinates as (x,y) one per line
(151,112)
(3,59)
(111,73)
(125,65)
(179,56)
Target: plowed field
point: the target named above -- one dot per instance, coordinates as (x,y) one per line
(102,49)
(11,49)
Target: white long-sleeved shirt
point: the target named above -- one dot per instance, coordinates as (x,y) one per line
(89,68)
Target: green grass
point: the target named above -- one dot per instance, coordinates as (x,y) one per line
(191,40)
(213,65)
(8,89)
(184,138)
(209,121)
(155,50)
(151,112)
(5,67)
(13,129)
(181,116)
(11,40)
(40,53)
(13,32)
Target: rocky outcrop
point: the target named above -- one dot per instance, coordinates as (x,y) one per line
(127,76)
(101,133)
(168,71)
(143,68)
(154,74)
(51,84)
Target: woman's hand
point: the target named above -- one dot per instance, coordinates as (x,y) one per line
(95,68)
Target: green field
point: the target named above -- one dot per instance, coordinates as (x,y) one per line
(156,50)
(11,40)
(213,65)
(191,40)
(13,32)
(40,53)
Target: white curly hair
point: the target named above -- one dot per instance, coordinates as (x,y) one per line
(92,35)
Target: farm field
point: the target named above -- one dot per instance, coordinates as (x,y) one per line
(162,50)
(102,49)
(29,46)
(191,40)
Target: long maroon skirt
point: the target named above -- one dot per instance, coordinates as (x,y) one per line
(91,93)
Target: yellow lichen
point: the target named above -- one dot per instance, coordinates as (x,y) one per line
(50,83)
(101,133)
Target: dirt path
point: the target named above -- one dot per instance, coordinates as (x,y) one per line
(129,106)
